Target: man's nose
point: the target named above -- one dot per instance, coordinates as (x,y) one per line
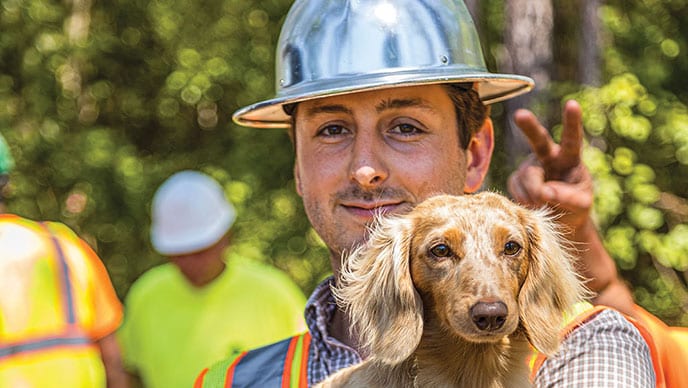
(367,167)
(367,176)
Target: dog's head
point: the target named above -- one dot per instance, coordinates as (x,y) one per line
(478,265)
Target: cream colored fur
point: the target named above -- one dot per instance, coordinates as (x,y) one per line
(411,307)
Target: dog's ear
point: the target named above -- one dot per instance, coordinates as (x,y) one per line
(551,287)
(378,293)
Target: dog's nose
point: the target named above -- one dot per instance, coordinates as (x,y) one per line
(488,316)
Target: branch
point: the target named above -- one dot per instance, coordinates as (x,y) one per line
(675,207)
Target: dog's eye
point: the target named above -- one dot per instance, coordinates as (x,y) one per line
(441,250)
(511,248)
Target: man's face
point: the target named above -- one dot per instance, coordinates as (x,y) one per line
(378,152)
(202,267)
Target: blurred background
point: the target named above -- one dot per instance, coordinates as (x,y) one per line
(101,101)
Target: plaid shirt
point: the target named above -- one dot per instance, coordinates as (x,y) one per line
(606,351)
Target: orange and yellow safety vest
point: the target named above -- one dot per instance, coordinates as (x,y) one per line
(284,364)
(56,301)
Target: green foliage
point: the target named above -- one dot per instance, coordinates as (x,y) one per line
(648,40)
(101,104)
(101,101)
(636,124)
(637,139)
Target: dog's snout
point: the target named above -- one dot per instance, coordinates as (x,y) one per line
(488,316)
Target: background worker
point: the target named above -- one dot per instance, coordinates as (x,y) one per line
(385,103)
(58,309)
(203,305)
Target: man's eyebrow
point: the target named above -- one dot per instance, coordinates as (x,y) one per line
(395,103)
(332,108)
(403,103)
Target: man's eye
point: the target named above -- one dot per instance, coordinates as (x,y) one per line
(441,250)
(406,129)
(332,130)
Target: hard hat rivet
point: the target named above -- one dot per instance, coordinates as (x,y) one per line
(444,59)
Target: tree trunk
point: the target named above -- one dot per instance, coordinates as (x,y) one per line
(474,8)
(589,58)
(528,51)
(71,75)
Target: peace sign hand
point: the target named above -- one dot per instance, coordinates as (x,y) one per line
(554,174)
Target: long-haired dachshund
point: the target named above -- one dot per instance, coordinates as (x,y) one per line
(453,294)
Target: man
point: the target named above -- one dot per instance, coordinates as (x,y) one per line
(200,307)
(385,102)
(58,309)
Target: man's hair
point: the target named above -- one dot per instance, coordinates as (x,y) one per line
(470,111)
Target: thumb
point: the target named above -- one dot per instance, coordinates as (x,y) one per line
(567,196)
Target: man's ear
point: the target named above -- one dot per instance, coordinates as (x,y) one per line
(478,156)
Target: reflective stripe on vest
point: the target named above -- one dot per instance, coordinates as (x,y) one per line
(66,282)
(283,364)
(72,336)
(39,344)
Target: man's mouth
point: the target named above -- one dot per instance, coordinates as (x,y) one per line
(371,209)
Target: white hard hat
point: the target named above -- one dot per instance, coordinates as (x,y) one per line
(189,213)
(334,47)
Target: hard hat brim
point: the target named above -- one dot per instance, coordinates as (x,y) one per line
(492,87)
(169,245)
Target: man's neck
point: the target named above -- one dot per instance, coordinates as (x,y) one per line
(340,328)
(202,275)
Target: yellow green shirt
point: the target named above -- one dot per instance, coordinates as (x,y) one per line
(173,330)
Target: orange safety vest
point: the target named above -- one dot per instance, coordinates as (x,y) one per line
(56,301)
(671,343)
(284,364)
(537,359)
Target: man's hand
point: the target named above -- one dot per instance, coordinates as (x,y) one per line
(554,174)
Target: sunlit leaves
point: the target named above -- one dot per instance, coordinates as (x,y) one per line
(670,48)
(188,58)
(191,94)
(623,160)
(99,148)
(645,217)
(96,126)
(177,79)
(640,138)
(620,241)
(217,67)
(238,192)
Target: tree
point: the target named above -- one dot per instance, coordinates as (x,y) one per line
(635,119)
(101,101)
(527,51)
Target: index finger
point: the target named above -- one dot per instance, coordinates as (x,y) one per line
(572,134)
(540,141)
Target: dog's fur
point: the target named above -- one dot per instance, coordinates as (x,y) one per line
(410,292)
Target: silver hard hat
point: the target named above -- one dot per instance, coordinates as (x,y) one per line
(333,47)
